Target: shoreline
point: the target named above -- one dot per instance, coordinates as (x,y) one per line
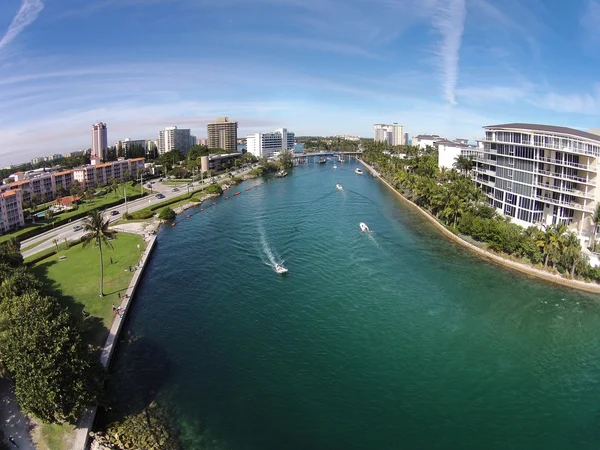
(517,266)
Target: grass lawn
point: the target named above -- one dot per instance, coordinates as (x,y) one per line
(53,436)
(25,229)
(76,281)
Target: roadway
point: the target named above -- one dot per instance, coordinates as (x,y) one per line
(45,240)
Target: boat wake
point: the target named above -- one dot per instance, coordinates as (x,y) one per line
(273,260)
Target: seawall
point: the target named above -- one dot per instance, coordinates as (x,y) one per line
(86,421)
(523,268)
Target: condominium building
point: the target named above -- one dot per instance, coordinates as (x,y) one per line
(541,174)
(448,151)
(265,144)
(348,137)
(391,134)
(94,175)
(11,210)
(425,140)
(99,140)
(223,134)
(172,138)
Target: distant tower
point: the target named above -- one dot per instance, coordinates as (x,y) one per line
(223,134)
(99,140)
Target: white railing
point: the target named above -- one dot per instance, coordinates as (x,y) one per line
(562,176)
(550,146)
(564,189)
(563,203)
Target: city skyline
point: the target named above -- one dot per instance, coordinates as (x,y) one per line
(452,67)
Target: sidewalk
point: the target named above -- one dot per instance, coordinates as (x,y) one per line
(86,421)
(14,423)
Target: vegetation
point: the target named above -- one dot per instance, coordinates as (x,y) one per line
(451,197)
(316,144)
(56,376)
(286,160)
(167,214)
(214,189)
(97,231)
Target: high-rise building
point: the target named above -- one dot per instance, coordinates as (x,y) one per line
(99,140)
(172,138)
(541,174)
(392,134)
(265,144)
(223,134)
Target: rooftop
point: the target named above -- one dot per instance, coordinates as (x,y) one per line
(547,129)
(427,136)
(9,193)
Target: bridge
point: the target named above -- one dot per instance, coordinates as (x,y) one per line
(305,158)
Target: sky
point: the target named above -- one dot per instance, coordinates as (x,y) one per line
(317,67)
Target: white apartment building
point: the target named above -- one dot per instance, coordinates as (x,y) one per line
(425,140)
(541,174)
(99,140)
(392,134)
(265,144)
(172,138)
(448,151)
(348,137)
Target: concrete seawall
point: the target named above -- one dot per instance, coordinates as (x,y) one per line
(523,268)
(86,421)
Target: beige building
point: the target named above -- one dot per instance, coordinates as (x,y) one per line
(223,134)
(11,210)
(99,140)
(98,174)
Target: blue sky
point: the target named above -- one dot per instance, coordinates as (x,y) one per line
(315,66)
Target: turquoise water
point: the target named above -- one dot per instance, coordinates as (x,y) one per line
(396,339)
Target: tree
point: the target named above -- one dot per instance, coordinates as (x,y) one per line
(286,159)
(55,375)
(55,242)
(76,188)
(595,223)
(114,185)
(464,164)
(167,214)
(60,191)
(571,249)
(98,232)
(89,194)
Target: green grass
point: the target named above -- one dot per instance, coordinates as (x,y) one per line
(26,229)
(54,436)
(76,279)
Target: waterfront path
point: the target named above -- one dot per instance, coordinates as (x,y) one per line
(521,267)
(86,421)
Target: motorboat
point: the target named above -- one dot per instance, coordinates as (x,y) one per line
(358,171)
(322,160)
(335,166)
(281,174)
(364,227)
(339,186)
(280,269)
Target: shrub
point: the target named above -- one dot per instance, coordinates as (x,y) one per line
(214,189)
(167,214)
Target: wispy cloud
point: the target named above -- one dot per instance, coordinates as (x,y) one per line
(28,12)
(449,20)
(572,103)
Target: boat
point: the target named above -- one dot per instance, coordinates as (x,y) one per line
(322,160)
(358,171)
(281,174)
(335,166)
(363,227)
(339,186)
(280,269)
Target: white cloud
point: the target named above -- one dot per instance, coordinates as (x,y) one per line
(449,20)
(590,20)
(29,11)
(584,104)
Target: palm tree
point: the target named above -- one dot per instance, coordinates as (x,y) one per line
(596,223)
(55,242)
(463,163)
(97,231)
(571,250)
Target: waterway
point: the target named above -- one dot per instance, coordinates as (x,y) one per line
(395,339)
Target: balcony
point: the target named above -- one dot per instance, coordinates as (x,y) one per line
(575,192)
(560,148)
(562,176)
(558,162)
(558,202)
(484,181)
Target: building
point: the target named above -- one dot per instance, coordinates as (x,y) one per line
(265,144)
(202,141)
(94,175)
(541,174)
(151,146)
(193,140)
(348,137)
(448,151)
(99,140)
(406,141)
(391,134)
(218,162)
(127,144)
(223,134)
(425,140)
(37,160)
(172,138)
(11,210)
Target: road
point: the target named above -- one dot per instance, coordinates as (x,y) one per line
(45,240)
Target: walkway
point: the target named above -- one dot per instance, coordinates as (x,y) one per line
(14,423)
(84,425)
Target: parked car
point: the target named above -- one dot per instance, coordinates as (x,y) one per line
(149,186)
(77,228)
(114,213)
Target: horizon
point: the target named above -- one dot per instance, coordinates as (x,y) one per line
(446,68)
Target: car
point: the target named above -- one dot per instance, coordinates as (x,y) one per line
(114,213)
(77,228)
(160,196)
(149,185)
(175,189)
(160,180)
